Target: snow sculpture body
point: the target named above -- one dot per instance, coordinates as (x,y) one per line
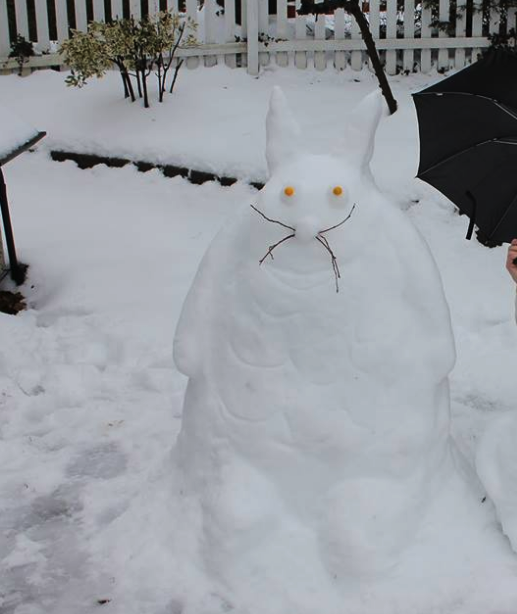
(316,422)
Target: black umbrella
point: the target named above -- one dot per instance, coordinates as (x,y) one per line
(468,143)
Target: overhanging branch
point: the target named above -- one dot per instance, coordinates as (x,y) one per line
(353,8)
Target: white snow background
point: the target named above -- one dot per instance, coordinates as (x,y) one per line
(90,401)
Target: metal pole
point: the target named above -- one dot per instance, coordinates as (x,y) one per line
(17,270)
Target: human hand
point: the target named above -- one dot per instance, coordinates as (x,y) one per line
(511,260)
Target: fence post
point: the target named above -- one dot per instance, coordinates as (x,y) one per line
(282,59)
(5,45)
(443,54)
(135,9)
(252,28)
(117,9)
(81,18)
(210,8)
(339,34)
(477,26)
(409,32)
(391,32)
(192,7)
(425,33)
(375,25)
(229,30)
(62,21)
(42,27)
(99,13)
(300,33)
(22,18)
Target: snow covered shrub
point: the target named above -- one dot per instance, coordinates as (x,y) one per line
(487,8)
(507,41)
(21,50)
(136,47)
(87,57)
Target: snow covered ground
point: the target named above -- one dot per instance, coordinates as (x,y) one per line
(90,401)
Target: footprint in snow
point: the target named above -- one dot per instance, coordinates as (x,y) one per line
(104,461)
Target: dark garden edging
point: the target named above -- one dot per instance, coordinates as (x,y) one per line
(169,170)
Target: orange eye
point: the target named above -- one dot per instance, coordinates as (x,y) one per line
(337,191)
(289,191)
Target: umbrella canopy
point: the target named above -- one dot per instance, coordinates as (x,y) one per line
(468,142)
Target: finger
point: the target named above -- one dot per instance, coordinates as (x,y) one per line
(514,242)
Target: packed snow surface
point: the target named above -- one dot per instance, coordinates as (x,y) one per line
(93,509)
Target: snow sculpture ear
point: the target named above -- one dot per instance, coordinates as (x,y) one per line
(358,144)
(283,134)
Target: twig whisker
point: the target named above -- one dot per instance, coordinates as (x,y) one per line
(272,247)
(335,266)
(340,223)
(334,259)
(272,220)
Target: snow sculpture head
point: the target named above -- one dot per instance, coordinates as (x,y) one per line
(311,195)
(303,438)
(356,144)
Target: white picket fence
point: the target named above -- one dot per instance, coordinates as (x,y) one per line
(254,33)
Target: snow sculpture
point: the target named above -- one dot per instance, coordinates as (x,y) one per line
(316,417)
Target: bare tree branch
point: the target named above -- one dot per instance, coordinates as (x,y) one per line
(353,8)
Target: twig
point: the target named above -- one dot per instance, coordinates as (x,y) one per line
(337,274)
(324,241)
(340,223)
(271,220)
(334,260)
(272,247)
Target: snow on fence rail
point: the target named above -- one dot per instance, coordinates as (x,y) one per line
(254,33)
